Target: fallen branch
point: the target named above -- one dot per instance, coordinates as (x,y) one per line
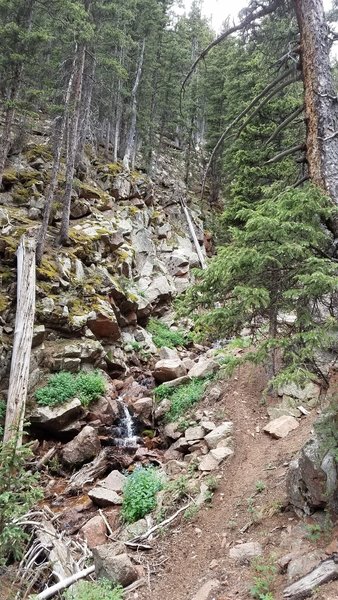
(325,572)
(62,585)
(145,535)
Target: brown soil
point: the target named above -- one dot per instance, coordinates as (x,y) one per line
(193,552)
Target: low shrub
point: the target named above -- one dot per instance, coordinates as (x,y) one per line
(63,386)
(94,590)
(182,397)
(139,494)
(19,492)
(164,336)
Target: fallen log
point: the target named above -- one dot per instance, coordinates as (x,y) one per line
(325,572)
(167,521)
(62,585)
(89,473)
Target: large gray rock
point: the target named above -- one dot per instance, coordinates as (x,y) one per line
(281,427)
(219,434)
(54,419)
(307,392)
(244,553)
(204,367)
(312,478)
(85,446)
(104,497)
(115,481)
(194,433)
(117,568)
(168,369)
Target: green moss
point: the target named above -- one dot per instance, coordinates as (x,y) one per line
(9,177)
(133,210)
(111,168)
(6,275)
(20,194)
(4,302)
(38,151)
(48,270)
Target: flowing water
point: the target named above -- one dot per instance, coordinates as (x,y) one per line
(127,426)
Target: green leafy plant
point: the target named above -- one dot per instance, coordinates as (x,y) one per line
(63,386)
(260,486)
(264,579)
(313,532)
(19,491)
(191,512)
(2,416)
(139,494)
(181,397)
(94,590)
(164,336)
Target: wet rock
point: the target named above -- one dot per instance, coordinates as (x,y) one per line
(104,497)
(244,553)
(204,367)
(207,591)
(115,481)
(56,418)
(281,427)
(94,532)
(143,408)
(85,446)
(219,434)
(168,369)
(117,568)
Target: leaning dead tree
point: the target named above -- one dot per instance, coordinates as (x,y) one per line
(132,129)
(23,334)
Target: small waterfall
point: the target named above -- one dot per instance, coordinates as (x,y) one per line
(127,427)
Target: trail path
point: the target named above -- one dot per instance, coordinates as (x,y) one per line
(198,551)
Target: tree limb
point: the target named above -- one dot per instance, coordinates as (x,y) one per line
(273,92)
(64,583)
(285,123)
(252,16)
(286,152)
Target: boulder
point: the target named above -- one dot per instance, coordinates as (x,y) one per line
(94,532)
(120,189)
(312,478)
(219,434)
(115,481)
(53,419)
(221,453)
(143,408)
(215,393)
(309,391)
(302,565)
(168,353)
(194,433)
(204,367)
(84,447)
(117,568)
(104,497)
(281,427)
(168,369)
(39,334)
(208,463)
(244,553)
(172,432)
(103,323)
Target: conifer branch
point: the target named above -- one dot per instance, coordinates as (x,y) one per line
(269,88)
(285,123)
(285,153)
(252,16)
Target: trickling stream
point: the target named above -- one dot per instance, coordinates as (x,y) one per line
(127,427)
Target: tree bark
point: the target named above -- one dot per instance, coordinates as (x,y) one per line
(55,170)
(321,105)
(87,92)
(132,129)
(23,334)
(72,142)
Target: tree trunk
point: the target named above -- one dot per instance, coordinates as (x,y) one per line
(59,137)
(23,334)
(87,92)
(72,143)
(132,129)
(321,105)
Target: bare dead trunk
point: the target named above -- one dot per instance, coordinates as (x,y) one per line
(55,170)
(321,106)
(9,119)
(87,92)
(107,139)
(23,334)
(72,143)
(132,129)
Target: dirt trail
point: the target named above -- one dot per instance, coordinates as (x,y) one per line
(197,551)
